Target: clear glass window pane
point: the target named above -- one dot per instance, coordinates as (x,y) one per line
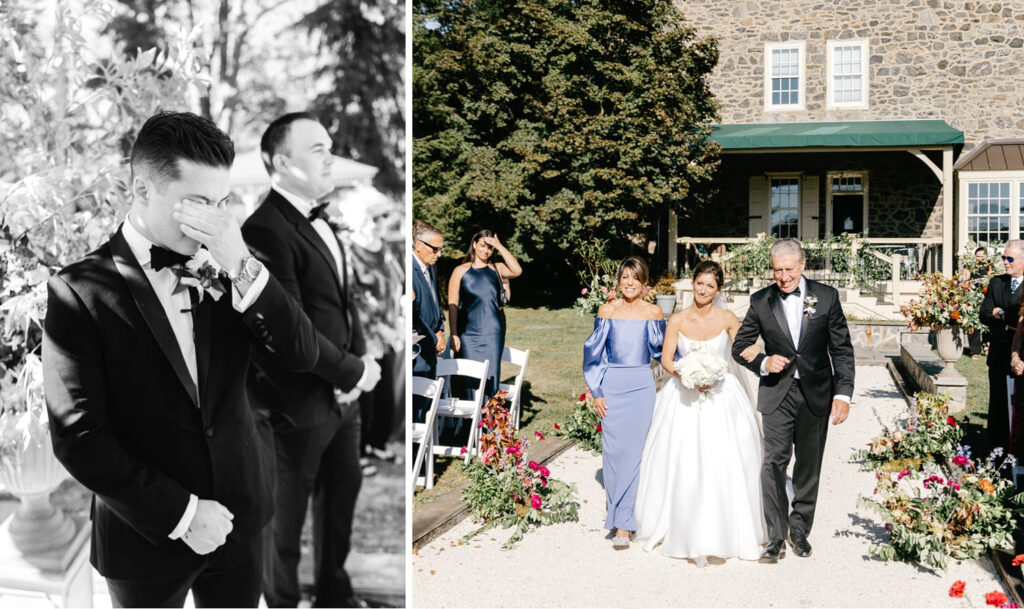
(785,206)
(988,211)
(785,72)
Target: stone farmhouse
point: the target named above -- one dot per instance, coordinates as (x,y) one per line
(899,120)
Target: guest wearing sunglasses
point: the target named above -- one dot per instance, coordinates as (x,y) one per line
(427,316)
(999,311)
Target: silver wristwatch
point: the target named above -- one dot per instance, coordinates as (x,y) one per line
(251,267)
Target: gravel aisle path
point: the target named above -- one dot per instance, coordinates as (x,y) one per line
(573,565)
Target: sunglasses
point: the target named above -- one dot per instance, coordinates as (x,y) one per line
(1009,259)
(435,249)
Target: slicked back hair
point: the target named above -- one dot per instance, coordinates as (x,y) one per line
(273,138)
(421,230)
(784,247)
(168,137)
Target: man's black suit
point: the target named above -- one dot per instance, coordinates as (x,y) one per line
(795,412)
(128,422)
(317,443)
(1001,331)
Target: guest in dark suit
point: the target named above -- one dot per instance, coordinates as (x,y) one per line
(316,435)
(999,312)
(145,376)
(427,319)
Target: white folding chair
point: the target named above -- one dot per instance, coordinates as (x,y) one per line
(458,408)
(422,433)
(519,358)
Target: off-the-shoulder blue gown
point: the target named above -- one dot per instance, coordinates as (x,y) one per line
(616,366)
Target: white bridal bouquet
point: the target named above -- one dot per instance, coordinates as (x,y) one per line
(700,366)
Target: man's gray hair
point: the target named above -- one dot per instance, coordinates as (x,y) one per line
(421,229)
(1017,245)
(787,247)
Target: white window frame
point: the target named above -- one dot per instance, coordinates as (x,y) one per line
(830,102)
(778,175)
(801,104)
(829,211)
(1014,177)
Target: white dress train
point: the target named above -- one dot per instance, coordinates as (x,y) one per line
(699,492)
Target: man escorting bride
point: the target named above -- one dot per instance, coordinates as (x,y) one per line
(706,487)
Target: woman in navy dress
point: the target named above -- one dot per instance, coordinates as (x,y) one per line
(628,333)
(476,318)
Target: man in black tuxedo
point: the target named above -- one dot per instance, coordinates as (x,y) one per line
(427,318)
(317,436)
(145,374)
(999,311)
(806,376)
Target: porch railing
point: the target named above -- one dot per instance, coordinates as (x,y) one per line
(872,264)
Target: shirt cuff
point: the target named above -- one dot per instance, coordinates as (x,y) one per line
(764,367)
(242,304)
(844,398)
(186,518)
(362,379)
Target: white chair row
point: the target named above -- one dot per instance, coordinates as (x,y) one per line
(426,433)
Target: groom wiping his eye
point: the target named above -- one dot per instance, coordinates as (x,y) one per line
(146,351)
(806,377)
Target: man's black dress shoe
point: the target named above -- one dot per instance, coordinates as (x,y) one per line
(799,544)
(774,551)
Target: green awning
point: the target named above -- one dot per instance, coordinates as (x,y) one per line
(847,134)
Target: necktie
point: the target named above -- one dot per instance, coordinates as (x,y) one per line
(1014,284)
(162,258)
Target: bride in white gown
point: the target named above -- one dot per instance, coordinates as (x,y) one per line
(699,492)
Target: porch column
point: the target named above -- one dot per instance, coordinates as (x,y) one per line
(948,243)
(673,247)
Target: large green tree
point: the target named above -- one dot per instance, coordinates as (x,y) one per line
(559,124)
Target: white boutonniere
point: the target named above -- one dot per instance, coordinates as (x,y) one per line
(809,303)
(203,273)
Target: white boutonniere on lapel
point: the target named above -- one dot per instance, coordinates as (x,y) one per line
(203,273)
(809,303)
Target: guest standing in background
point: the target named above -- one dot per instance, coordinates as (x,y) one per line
(628,333)
(999,312)
(476,295)
(978,278)
(427,319)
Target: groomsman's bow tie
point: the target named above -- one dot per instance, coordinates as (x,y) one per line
(1014,284)
(319,211)
(162,258)
(795,292)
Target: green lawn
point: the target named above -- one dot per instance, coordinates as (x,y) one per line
(554,377)
(974,418)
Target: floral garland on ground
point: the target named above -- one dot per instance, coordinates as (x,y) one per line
(508,490)
(583,425)
(992,599)
(938,503)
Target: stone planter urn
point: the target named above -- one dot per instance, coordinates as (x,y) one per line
(30,471)
(667,302)
(949,344)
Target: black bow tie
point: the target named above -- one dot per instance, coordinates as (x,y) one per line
(319,211)
(795,292)
(162,258)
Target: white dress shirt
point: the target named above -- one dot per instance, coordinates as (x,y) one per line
(163,283)
(794,310)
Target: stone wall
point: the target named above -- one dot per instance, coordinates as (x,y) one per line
(958,61)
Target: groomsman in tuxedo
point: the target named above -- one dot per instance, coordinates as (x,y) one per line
(145,371)
(999,312)
(317,435)
(427,319)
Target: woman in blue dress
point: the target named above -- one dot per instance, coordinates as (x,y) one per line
(628,333)
(476,318)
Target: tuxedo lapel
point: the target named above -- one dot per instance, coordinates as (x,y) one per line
(775,301)
(151,309)
(307,232)
(202,322)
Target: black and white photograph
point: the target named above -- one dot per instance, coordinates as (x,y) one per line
(202,275)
